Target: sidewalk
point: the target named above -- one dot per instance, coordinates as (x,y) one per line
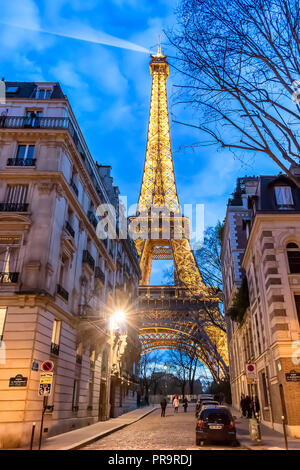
(80,437)
(270,439)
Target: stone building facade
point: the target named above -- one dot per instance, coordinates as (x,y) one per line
(262,244)
(58,281)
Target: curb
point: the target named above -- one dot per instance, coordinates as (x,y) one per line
(90,440)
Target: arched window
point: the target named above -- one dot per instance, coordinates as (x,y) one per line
(293,254)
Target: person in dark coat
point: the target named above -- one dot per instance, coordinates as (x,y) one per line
(243,405)
(198,408)
(185,404)
(163,405)
(248,407)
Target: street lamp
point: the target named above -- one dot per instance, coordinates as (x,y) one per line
(117,319)
(165,369)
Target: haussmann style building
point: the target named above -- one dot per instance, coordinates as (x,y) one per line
(261,275)
(58,281)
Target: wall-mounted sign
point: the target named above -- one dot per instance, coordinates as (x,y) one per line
(18,381)
(292,376)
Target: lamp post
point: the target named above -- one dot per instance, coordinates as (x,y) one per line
(165,369)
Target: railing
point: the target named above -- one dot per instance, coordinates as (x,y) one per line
(87,258)
(13,207)
(70,229)
(92,219)
(21,162)
(54,349)
(99,274)
(74,187)
(62,292)
(8,278)
(18,122)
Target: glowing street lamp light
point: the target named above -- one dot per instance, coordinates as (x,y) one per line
(165,366)
(117,319)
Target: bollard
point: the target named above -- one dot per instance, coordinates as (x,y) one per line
(32,435)
(284,432)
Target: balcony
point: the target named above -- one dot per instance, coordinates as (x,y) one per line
(92,219)
(9,278)
(87,258)
(13,207)
(74,187)
(21,162)
(62,292)
(99,274)
(56,123)
(54,349)
(70,229)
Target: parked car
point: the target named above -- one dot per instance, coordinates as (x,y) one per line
(215,423)
(205,403)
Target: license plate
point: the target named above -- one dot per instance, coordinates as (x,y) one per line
(215,426)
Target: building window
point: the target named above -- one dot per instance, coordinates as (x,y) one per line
(284,198)
(43,93)
(55,337)
(9,253)
(3,311)
(297,302)
(293,254)
(265,390)
(79,352)
(75,397)
(25,152)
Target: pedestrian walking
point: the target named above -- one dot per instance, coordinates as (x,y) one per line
(176,403)
(198,408)
(163,405)
(248,407)
(185,404)
(243,406)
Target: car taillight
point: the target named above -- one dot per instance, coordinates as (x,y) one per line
(200,424)
(231,425)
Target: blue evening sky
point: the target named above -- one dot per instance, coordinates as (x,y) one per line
(109,90)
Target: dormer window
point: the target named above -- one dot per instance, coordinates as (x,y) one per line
(43,93)
(284,197)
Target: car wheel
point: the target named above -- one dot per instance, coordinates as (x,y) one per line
(197,442)
(234,443)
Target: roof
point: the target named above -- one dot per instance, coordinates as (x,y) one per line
(26,90)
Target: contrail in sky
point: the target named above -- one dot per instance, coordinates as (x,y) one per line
(85,34)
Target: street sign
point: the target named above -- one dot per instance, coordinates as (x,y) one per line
(18,381)
(45,386)
(47,366)
(292,376)
(251,371)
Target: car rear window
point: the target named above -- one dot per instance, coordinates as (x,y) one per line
(212,416)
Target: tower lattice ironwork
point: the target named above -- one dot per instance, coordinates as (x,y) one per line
(183,316)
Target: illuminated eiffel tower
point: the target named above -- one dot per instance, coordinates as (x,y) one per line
(172,316)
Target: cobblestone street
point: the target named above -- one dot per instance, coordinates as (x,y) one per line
(174,432)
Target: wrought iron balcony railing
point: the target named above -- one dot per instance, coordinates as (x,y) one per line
(70,229)
(6,278)
(21,162)
(13,207)
(59,123)
(99,274)
(54,349)
(62,292)
(87,258)
(74,187)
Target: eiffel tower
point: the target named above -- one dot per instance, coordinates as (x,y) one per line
(178,316)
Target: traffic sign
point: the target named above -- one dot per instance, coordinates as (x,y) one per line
(45,386)
(250,371)
(47,366)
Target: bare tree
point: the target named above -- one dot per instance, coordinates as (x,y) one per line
(185,367)
(148,365)
(241,63)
